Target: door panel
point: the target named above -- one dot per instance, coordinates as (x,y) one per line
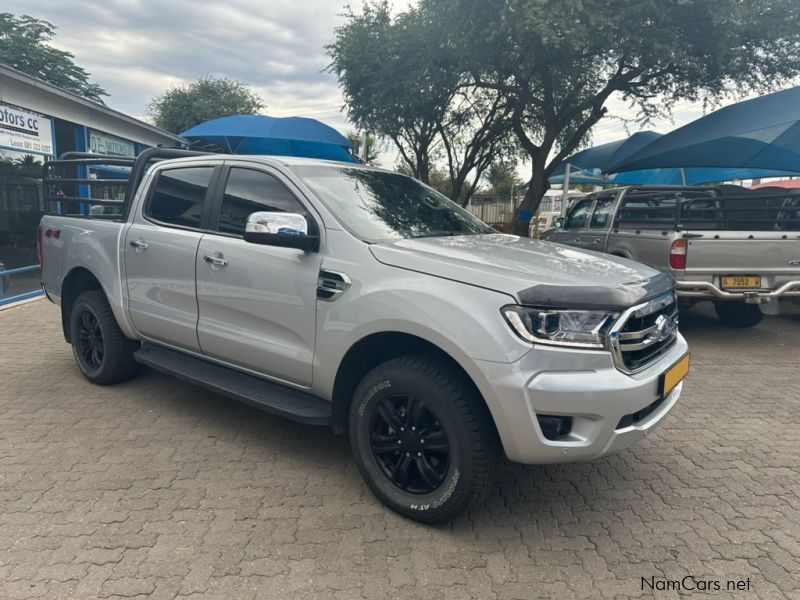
(160,254)
(596,235)
(160,273)
(257,303)
(575,225)
(258,311)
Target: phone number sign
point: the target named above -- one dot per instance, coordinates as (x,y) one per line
(25,131)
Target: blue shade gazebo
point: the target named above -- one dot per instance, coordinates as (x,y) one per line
(601,159)
(690,176)
(260,134)
(762,133)
(598,158)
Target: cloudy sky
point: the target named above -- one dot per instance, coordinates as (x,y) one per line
(136,49)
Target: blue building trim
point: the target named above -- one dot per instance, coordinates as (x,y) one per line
(82,145)
(54,154)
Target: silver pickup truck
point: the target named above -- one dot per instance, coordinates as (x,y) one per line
(348,296)
(738,249)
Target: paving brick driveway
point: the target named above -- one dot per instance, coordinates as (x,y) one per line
(157,488)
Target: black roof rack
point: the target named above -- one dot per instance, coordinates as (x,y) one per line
(67,182)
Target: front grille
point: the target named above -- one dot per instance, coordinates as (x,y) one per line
(644,333)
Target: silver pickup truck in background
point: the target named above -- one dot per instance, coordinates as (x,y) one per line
(739,249)
(343,295)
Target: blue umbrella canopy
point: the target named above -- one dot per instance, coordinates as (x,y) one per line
(762,133)
(260,134)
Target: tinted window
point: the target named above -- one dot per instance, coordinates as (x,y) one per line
(248,191)
(579,214)
(378,205)
(602,210)
(179,196)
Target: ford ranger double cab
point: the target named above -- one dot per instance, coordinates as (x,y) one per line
(736,248)
(348,296)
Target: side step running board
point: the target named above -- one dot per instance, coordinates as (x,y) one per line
(272,397)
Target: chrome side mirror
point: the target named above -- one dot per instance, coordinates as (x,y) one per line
(287,230)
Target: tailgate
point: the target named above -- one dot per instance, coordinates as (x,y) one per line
(738,252)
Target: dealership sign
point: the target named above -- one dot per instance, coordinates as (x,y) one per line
(25,131)
(103,143)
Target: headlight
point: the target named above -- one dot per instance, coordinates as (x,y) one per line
(577,328)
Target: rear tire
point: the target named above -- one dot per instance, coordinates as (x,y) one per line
(102,351)
(740,315)
(422,437)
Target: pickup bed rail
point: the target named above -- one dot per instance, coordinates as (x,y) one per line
(709,209)
(72,186)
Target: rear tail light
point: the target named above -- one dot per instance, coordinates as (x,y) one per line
(40,246)
(677,254)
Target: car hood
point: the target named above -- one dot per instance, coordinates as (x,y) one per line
(534,272)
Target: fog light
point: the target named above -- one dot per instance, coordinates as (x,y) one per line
(555,427)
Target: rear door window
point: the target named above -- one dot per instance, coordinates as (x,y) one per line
(602,212)
(179,196)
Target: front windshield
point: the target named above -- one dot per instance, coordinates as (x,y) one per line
(377,205)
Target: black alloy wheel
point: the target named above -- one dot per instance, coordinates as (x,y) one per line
(102,351)
(90,339)
(409,444)
(422,437)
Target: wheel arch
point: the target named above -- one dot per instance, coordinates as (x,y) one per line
(77,281)
(372,350)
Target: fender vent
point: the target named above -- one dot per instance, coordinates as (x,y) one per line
(331,285)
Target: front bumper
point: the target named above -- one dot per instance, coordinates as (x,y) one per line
(709,291)
(583,385)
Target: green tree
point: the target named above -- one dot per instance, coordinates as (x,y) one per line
(556,63)
(373,146)
(24,46)
(400,79)
(503,179)
(184,106)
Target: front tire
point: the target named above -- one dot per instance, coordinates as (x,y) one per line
(102,351)
(740,315)
(422,438)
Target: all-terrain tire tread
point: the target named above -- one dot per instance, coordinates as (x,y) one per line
(119,350)
(472,411)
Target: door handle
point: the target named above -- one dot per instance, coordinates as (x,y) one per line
(216,261)
(140,245)
(595,241)
(577,240)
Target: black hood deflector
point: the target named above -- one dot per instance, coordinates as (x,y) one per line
(597,297)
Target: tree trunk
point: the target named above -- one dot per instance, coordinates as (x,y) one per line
(537,186)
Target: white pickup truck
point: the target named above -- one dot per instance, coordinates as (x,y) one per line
(342,295)
(739,249)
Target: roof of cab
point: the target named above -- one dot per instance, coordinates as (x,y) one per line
(283,161)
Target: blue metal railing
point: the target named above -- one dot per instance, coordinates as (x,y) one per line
(4,274)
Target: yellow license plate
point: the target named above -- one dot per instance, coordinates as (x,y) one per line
(674,375)
(741,282)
